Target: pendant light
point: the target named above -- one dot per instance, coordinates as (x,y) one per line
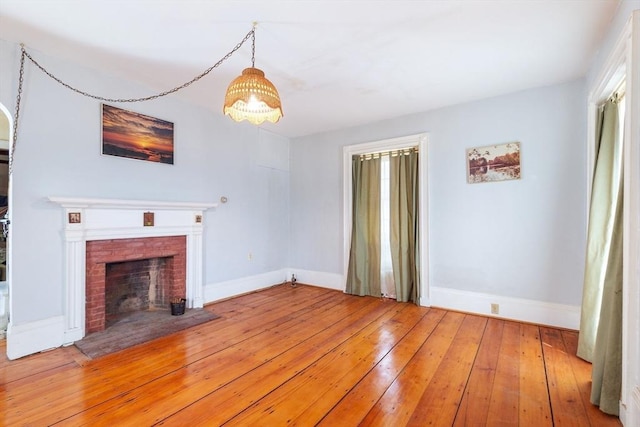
(251,96)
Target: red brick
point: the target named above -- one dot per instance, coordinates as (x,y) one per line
(100,252)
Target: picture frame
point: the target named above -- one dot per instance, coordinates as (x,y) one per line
(136,136)
(493,163)
(148,219)
(75,218)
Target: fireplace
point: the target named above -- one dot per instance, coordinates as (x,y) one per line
(102,231)
(133,263)
(132,286)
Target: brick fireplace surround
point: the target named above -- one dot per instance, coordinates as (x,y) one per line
(102,252)
(115,222)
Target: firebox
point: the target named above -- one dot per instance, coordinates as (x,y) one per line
(125,275)
(132,286)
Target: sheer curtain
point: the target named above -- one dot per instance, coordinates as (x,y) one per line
(387,283)
(363,275)
(600,340)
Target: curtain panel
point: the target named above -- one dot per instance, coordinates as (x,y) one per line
(600,339)
(404,225)
(363,275)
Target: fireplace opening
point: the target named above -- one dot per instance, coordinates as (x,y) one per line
(132,286)
(148,273)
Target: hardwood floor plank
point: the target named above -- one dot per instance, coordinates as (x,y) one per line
(399,401)
(504,403)
(568,409)
(474,407)
(228,401)
(114,378)
(338,386)
(32,366)
(535,408)
(356,355)
(439,402)
(358,401)
(202,376)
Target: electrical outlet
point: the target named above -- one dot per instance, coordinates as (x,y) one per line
(495,308)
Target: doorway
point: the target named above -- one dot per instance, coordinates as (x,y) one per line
(5,132)
(420,141)
(622,66)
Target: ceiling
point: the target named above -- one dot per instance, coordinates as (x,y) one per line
(336,64)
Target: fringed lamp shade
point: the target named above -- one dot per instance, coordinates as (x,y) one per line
(252,97)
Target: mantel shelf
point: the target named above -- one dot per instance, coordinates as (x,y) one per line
(87,203)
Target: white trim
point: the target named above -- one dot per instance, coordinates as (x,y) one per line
(33,337)
(79,202)
(318,278)
(629,417)
(230,288)
(610,78)
(103,219)
(522,310)
(519,309)
(622,64)
(4,325)
(613,71)
(630,393)
(421,141)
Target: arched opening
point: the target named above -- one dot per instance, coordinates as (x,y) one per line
(5,147)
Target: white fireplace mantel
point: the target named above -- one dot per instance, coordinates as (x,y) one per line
(87,219)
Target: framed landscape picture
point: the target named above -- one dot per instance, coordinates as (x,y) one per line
(493,163)
(136,136)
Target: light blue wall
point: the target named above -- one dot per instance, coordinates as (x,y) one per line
(521,239)
(58,154)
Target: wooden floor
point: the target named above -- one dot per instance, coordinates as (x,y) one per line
(310,356)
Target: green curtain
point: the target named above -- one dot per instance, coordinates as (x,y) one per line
(404,224)
(363,276)
(600,339)
(606,375)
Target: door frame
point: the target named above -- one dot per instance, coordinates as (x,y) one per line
(418,140)
(9,246)
(621,64)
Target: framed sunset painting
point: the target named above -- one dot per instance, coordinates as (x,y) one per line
(136,136)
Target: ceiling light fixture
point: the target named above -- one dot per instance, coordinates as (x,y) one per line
(251,96)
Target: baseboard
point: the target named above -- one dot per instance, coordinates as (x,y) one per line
(317,278)
(523,310)
(34,337)
(243,285)
(544,313)
(221,290)
(630,414)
